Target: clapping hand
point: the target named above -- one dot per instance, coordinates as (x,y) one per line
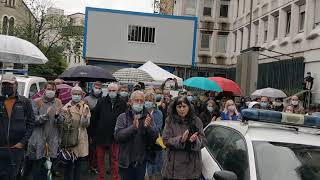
(136,122)
(194,137)
(147,121)
(185,136)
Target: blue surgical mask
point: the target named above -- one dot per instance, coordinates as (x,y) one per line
(264,105)
(76,98)
(137,108)
(123,94)
(148,104)
(113,95)
(190,98)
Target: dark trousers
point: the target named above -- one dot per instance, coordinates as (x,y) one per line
(74,170)
(39,172)
(10,163)
(133,172)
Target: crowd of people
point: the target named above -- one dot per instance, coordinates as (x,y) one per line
(145,131)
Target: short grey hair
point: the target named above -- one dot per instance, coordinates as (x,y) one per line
(113,85)
(135,93)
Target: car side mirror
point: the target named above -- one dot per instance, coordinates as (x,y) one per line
(225,175)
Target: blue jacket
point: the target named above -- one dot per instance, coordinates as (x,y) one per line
(21,123)
(224,116)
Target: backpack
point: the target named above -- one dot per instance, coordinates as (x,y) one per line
(70,129)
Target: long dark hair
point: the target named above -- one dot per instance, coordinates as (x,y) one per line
(172,110)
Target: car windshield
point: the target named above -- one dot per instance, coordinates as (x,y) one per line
(21,87)
(286,161)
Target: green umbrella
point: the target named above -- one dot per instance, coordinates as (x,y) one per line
(202,83)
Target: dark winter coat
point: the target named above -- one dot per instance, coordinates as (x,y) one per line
(22,122)
(106,115)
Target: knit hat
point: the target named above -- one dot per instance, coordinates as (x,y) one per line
(76,89)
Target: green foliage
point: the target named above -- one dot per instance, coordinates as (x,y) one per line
(53,35)
(53,68)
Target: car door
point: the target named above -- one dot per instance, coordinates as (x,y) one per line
(234,156)
(217,137)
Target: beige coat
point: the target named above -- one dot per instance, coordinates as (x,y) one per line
(76,112)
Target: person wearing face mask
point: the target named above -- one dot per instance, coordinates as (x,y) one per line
(230,111)
(16,115)
(278,105)
(76,114)
(134,130)
(124,92)
(47,117)
(91,101)
(107,110)
(210,114)
(265,103)
(155,164)
(297,107)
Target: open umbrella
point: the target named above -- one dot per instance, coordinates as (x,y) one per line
(269,92)
(87,73)
(227,85)
(132,75)
(202,83)
(16,50)
(64,93)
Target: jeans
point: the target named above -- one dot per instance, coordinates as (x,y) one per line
(74,170)
(133,172)
(114,158)
(10,163)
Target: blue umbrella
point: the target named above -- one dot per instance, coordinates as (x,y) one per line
(202,83)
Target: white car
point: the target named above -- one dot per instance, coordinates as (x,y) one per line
(29,85)
(265,145)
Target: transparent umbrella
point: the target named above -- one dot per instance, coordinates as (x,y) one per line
(16,50)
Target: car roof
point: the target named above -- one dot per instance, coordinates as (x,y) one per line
(260,131)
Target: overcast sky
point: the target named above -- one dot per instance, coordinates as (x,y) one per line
(73,6)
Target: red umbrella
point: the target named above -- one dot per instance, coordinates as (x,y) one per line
(64,93)
(227,85)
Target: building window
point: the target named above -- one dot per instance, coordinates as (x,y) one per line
(235,41)
(256,39)
(302,16)
(141,34)
(244,6)
(190,7)
(11,26)
(222,41)
(265,30)
(276,26)
(316,13)
(224,8)
(241,40)
(10,3)
(238,6)
(207,8)
(288,22)
(5,25)
(205,40)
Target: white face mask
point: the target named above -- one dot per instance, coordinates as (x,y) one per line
(295,103)
(97,91)
(50,94)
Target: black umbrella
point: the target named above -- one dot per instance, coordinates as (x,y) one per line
(87,73)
